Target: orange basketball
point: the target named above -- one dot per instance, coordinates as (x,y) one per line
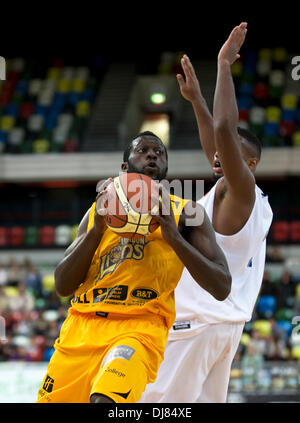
(128,204)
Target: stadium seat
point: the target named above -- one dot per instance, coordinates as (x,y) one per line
(3,236)
(257,115)
(53,73)
(63,235)
(286,326)
(281,231)
(7,123)
(46,235)
(12,109)
(271,128)
(35,123)
(237,69)
(296,139)
(41,146)
(288,115)
(263,326)
(245,88)
(273,114)
(83,109)
(16,236)
(34,87)
(244,102)
(284,314)
(266,306)
(78,85)
(48,283)
(244,115)
(296,352)
(295,231)
(16,136)
(289,101)
(265,54)
(286,128)
(280,54)
(263,69)
(260,91)
(70,146)
(64,86)
(245,339)
(31,236)
(26,110)
(277,78)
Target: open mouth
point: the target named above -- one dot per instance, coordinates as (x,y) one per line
(217,167)
(151,165)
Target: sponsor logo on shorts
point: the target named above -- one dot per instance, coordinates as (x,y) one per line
(144,293)
(48,384)
(120,351)
(115,372)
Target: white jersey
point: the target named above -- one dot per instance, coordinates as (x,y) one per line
(245,252)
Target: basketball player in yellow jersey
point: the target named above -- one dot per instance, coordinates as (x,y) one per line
(112,342)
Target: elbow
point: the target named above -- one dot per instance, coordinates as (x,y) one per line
(225,288)
(60,287)
(222,125)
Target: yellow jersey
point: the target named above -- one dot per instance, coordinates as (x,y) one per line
(132,277)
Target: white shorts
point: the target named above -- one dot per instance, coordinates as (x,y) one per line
(196,369)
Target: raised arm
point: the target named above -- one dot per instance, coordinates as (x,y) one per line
(191,91)
(239,179)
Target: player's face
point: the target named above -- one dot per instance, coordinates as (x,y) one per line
(217,165)
(148,157)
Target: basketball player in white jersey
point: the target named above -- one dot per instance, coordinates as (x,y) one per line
(207,332)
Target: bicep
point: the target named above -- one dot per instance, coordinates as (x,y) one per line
(81,231)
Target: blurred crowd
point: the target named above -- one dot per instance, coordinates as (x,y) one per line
(31,312)
(272,334)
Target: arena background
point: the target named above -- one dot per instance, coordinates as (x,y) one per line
(77,87)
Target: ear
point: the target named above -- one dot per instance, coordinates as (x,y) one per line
(252,162)
(124,166)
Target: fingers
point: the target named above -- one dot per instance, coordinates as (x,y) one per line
(187,67)
(180,80)
(101,185)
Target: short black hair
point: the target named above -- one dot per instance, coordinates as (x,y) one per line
(141,134)
(252,139)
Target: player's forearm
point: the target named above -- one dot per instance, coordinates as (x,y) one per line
(212,276)
(205,127)
(72,270)
(225,110)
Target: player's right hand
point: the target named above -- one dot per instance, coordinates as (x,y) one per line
(230,51)
(189,86)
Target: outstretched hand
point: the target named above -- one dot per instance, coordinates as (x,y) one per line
(189,86)
(230,50)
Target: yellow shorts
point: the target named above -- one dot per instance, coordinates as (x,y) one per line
(110,355)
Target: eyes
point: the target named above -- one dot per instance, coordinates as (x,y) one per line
(144,150)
